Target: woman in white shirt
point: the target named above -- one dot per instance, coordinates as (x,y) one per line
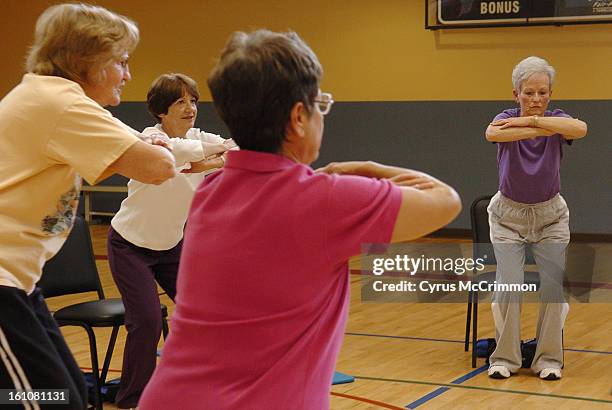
(145,237)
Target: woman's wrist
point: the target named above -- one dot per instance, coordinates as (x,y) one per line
(534,121)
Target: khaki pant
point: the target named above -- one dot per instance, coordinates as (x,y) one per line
(545,226)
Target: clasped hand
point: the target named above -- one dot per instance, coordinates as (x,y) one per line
(400,177)
(513,122)
(216,154)
(157,139)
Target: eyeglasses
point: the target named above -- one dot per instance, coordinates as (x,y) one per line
(324,103)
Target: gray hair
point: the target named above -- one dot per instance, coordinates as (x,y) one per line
(258,79)
(528,67)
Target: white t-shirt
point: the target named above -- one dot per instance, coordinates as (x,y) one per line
(153,216)
(50,133)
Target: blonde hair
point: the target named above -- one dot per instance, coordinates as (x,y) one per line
(75,41)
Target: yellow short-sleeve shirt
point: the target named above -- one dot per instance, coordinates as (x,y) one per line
(51,133)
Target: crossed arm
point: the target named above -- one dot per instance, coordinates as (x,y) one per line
(215,149)
(520,128)
(205,153)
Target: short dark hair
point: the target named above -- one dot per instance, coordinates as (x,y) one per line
(258,79)
(166,89)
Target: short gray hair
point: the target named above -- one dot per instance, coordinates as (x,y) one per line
(528,67)
(258,79)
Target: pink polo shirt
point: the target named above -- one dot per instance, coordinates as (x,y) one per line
(263,287)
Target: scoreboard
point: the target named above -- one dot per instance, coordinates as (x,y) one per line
(520,12)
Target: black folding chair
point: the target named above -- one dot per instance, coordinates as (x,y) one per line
(73,270)
(482,248)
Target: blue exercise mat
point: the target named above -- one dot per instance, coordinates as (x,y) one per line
(341,378)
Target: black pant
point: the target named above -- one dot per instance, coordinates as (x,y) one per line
(136,271)
(33,351)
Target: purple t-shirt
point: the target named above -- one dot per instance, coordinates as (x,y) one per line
(263,287)
(529,169)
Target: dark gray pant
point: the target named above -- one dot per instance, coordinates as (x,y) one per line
(136,271)
(545,226)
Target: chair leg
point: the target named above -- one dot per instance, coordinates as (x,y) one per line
(165,330)
(474,326)
(94,367)
(562,350)
(468,318)
(109,354)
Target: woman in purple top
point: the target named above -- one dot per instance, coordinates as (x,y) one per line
(528,209)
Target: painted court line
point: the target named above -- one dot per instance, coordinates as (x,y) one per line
(428,339)
(586,351)
(461,386)
(109,370)
(366,400)
(441,390)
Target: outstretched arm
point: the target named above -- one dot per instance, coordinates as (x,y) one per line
(427,203)
(147,163)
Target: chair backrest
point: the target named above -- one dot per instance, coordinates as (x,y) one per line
(479,216)
(73,269)
(481,237)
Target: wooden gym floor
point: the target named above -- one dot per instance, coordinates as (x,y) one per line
(410,355)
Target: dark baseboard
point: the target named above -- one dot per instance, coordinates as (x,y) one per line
(452,233)
(467,234)
(591,237)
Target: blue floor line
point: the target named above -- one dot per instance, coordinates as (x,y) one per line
(437,392)
(427,397)
(428,339)
(471,374)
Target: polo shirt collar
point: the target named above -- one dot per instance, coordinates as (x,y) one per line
(258,161)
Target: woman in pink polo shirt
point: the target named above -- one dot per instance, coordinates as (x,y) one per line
(263,289)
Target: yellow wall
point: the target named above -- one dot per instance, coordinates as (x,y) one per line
(372,50)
